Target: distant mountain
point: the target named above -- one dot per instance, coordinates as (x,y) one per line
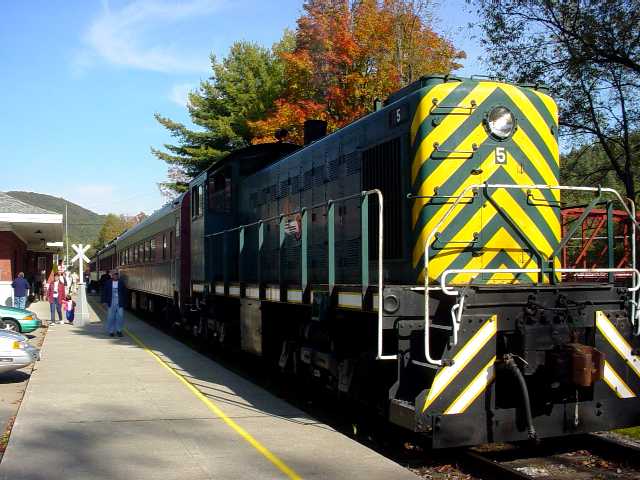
(84,224)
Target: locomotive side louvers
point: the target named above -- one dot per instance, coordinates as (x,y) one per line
(381,170)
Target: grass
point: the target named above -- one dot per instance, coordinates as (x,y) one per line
(4,438)
(633,432)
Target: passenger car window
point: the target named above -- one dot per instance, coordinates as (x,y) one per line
(196,201)
(164,246)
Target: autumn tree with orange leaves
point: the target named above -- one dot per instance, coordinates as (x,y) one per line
(348,53)
(342,56)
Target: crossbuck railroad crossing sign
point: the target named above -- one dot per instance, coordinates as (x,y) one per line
(80,253)
(82,312)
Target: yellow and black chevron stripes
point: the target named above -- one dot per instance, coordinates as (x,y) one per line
(501,241)
(532,158)
(550,105)
(483,216)
(549,175)
(447,375)
(611,378)
(444,169)
(617,341)
(447,126)
(517,95)
(473,390)
(425,107)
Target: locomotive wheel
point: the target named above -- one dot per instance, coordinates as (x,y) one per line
(199,331)
(195,329)
(166,316)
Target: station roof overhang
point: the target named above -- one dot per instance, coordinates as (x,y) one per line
(34,229)
(34,225)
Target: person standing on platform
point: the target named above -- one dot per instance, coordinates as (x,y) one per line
(45,285)
(67,282)
(37,287)
(31,297)
(20,289)
(56,294)
(103,281)
(114,296)
(69,279)
(75,280)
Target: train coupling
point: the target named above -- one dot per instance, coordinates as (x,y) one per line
(577,364)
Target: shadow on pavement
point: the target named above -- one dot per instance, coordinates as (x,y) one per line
(171,449)
(13,377)
(222,386)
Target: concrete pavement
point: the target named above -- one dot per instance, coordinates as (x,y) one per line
(13,384)
(107,408)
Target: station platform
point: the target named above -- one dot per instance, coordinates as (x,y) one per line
(148,407)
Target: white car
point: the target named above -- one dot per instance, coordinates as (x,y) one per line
(15,351)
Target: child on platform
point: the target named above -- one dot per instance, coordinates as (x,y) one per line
(70,309)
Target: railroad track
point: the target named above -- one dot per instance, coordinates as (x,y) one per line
(575,458)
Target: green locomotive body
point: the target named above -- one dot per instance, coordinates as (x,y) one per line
(411,261)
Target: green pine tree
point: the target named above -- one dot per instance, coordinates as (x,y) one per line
(242,89)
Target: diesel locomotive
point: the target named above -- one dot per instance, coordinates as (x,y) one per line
(410,261)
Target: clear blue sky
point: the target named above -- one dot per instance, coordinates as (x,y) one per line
(81,80)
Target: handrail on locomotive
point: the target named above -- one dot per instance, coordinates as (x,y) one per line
(364,195)
(456,311)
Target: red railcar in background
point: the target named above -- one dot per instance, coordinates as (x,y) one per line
(603,239)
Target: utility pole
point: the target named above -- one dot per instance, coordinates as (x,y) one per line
(66,233)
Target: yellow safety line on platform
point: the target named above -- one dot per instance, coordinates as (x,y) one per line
(279,464)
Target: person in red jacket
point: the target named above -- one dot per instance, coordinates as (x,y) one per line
(56,294)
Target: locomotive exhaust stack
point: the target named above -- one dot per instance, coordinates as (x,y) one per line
(314,130)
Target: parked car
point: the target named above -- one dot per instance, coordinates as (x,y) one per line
(18,320)
(15,351)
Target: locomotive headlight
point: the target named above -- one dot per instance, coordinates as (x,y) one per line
(501,122)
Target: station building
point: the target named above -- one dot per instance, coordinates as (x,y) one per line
(30,239)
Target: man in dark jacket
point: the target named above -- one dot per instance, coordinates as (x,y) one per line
(114,296)
(102,282)
(20,288)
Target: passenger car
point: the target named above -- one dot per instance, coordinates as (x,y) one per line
(16,352)
(19,320)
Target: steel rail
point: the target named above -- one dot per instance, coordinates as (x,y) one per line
(487,468)
(611,448)
(494,464)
